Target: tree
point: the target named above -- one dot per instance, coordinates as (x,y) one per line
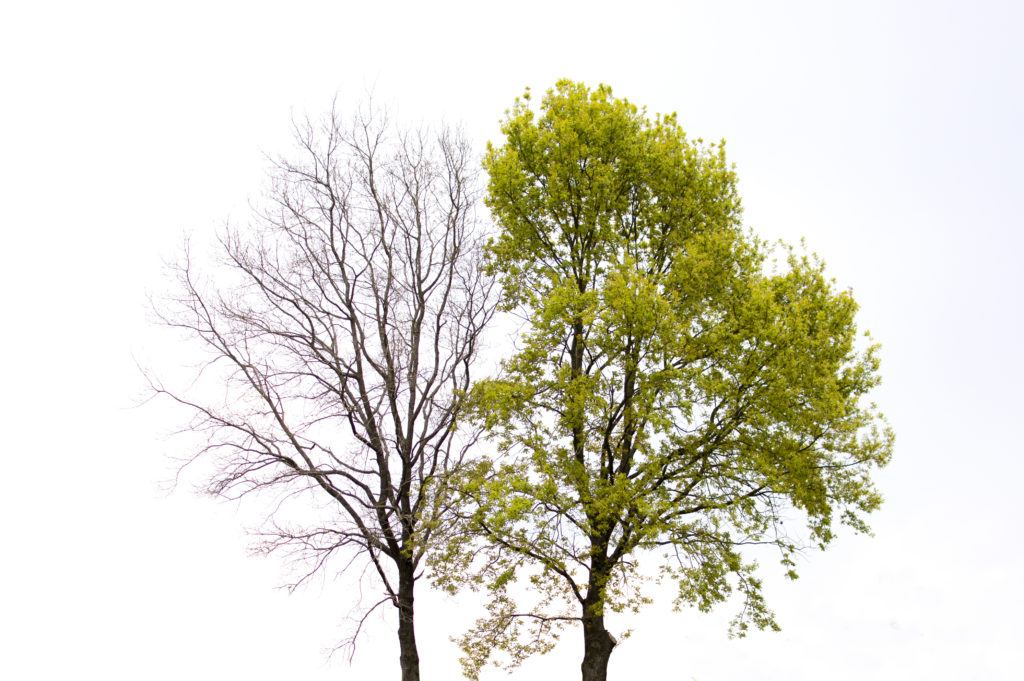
(345,326)
(674,398)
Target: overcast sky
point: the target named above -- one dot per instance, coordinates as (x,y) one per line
(888,134)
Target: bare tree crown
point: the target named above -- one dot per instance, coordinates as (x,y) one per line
(348,334)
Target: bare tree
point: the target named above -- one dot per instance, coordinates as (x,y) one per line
(346,322)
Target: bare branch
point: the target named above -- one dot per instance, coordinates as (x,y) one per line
(342,330)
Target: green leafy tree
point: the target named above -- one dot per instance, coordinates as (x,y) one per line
(674,396)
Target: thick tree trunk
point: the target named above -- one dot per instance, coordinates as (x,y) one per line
(597,644)
(409,657)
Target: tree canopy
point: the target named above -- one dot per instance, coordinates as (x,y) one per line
(677,393)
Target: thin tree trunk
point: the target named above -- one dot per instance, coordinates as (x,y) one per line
(409,656)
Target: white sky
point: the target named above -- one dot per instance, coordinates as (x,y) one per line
(886,133)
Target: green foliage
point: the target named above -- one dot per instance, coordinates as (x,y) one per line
(673,394)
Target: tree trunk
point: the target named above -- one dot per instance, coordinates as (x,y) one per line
(409,657)
(597,644)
